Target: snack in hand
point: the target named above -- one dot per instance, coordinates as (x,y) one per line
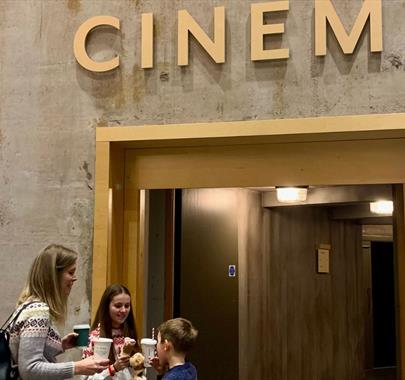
(129,346)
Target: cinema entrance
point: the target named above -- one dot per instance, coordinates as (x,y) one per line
(357,151)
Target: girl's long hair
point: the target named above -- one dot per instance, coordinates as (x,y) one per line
(44,279)
(103,321)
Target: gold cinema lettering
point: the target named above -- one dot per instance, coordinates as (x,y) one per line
(258,30)
(147,41)
(187,24)
(215,48)
(324,10)
(79,44)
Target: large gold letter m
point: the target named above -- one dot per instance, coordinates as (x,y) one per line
(324,10)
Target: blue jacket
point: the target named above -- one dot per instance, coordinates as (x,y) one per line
(185,371)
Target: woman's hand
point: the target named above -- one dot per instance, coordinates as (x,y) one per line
(122,362)
(69,340)
(90,366)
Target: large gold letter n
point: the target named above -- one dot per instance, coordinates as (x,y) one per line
(216,48)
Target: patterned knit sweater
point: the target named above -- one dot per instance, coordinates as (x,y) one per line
(35,343)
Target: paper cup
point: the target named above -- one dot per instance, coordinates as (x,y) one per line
(102,347)
(83,339)
(148,349)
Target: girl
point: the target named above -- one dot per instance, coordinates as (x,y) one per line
(34,338)
(114,319)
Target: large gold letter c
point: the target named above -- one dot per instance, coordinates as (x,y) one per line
(79,44)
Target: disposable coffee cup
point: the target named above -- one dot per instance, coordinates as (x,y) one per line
(83,339)
(148,348)
(102,347)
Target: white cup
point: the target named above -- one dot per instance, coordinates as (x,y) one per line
(102,347)
(148,349)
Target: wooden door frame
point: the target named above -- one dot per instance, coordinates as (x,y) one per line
(361,149)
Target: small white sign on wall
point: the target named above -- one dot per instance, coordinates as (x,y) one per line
(232,271)
(323,260)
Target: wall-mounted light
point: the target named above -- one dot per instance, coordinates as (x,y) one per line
(382,207)
(292,194)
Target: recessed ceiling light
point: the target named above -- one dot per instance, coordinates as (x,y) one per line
(382,207)
(291,194)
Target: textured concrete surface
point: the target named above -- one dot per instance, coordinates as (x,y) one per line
(49,106)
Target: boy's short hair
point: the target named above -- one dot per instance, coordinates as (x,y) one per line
(180,332)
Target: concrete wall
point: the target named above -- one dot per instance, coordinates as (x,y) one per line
(49,106)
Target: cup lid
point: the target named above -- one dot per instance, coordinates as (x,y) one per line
(82,326)
(103,340)
(148,341)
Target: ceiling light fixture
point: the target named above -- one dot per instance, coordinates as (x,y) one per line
(291,194)
(382,207)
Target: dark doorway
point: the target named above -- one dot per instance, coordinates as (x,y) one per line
(192,240)
(205,244)
(382,263)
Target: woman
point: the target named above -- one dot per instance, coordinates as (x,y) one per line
(114,319)
(35,341)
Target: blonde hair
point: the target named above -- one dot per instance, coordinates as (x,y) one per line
(43,282)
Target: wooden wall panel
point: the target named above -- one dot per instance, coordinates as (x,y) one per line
(133,251)
(253,258)
(399,250)
(116,210)
(101,254)
(348,162)
(301,324)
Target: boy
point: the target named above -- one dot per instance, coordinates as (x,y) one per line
(175,339)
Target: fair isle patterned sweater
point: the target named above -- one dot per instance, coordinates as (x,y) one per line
(35,343)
